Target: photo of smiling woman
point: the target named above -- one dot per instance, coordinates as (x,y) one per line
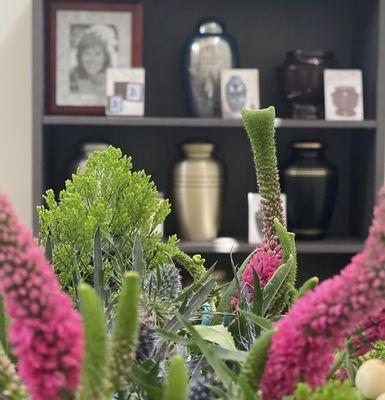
(88,42)
(96,51)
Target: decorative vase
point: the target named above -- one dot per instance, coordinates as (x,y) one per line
(198,192)
(345,98)
(83,152)
(301,81)
(310,183)
(204,55)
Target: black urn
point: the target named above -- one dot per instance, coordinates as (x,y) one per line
(301,81)
(310,183)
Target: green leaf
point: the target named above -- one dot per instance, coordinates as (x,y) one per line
(310,284)
(263,323)
(137,257)
(94,379)
(216,334)
(177,380)
(48,249)
(219,366)
(286,239)
(252,369)
(274,284)
(125,336)
(146,381)
(247,392)
(98,267)
(3,327)
(224,304)
(257,294)
(195,286)
(224,354)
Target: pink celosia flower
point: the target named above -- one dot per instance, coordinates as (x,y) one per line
(318,323)
(46,333)
(265,261)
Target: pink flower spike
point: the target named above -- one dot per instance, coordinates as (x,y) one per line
(318,323)
(46,333)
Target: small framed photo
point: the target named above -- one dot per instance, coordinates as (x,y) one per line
(125,91)
(255,217)
(239,89)
(85,40)
(343,94)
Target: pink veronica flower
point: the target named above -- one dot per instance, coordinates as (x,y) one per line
(46,333)
(319,322)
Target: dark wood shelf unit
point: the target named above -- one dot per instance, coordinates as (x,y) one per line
(337,245)
(353,29)
(199,122)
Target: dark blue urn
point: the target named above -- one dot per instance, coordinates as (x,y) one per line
(204,55)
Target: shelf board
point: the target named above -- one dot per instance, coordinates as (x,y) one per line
(198,122)
(347,245)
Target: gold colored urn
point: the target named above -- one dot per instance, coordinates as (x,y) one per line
(198,192)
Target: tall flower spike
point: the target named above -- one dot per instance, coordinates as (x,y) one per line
(268,257)
(318,323)
(260,129)
(126,331)
(46,333)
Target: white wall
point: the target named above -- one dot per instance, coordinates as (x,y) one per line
(15,104)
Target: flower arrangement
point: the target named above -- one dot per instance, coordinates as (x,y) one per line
(139,333)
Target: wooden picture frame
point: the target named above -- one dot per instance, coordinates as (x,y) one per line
(131,10)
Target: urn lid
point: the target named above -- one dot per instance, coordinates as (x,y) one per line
(89,147)
(211,26)
(198,149)
(311,57)
(308,145)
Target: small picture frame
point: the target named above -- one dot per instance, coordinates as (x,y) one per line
(255,217)
(343,95)
(125,91)
(86,39)
(239,89)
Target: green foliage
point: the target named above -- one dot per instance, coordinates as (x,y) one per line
(254,365)
(177,381)
(11,386)
(110,198)
(3,327)
(310,284)
(125,336)
(94,380)
(333,390)
(274,285)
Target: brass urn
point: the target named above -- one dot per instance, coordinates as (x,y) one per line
(198,192)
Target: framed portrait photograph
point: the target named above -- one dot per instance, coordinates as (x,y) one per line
(125,91)
(343,94)
(86,39)
(239,89)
